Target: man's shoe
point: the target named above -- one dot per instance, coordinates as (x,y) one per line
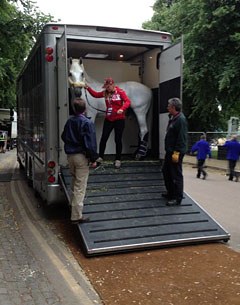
(173,202)
(166,196)
(81,220)
(117,164)
(204,176)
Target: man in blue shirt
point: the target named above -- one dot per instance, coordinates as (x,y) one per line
(203,150)
(233,152)
(80,145)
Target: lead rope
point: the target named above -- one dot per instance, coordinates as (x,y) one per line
(90,104)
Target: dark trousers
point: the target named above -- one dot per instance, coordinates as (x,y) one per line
(232,164)
(173,177)
(200,165)
(108,126)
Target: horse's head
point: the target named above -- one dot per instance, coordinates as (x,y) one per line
(76,77)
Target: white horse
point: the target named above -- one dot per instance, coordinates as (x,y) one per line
(139,95)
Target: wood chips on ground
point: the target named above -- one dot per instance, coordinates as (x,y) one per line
(194,274)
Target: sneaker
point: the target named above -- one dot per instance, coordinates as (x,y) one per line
(117,164)
(204,176)
(99,160)
(81,220)
(173,202)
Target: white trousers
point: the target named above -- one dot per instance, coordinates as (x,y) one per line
(79,170)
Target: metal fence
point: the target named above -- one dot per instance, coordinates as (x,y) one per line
(215,139)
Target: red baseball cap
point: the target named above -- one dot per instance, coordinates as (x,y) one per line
(108,81)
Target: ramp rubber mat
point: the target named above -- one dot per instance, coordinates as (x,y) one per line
(128,213)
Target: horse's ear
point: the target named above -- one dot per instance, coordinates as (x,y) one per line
(80,61)
(70,60)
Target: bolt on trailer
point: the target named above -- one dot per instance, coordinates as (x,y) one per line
(43,95)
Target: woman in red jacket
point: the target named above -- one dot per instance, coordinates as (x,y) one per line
(116,103)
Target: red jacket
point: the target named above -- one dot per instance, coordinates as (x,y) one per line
(118,100)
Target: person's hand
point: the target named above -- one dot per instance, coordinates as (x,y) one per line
(175,156)
(120,111)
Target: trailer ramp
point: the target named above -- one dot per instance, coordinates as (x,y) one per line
(127,212)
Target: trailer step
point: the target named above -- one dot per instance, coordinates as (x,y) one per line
(128,213)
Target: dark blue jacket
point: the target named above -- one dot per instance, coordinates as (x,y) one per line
(203,149)
(233,149)
(79,136)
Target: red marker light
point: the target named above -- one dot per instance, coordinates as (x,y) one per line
(49,58)
(51,164)
(51,179)
(49,50)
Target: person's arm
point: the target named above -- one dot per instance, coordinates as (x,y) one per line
(181,140)
(90,141)
(95,93)
(63,135)
(194,147)
(126,101)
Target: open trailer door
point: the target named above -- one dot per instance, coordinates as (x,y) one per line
(170,63)
(63,107)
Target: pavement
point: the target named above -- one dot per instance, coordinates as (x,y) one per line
(211,163)
(36,269)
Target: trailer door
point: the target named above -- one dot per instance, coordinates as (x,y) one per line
(63,109)
(170,68)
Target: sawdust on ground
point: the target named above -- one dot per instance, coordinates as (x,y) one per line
(196,274)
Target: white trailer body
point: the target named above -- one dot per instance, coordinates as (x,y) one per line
(43,92)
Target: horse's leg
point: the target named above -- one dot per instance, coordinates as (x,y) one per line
(143,145)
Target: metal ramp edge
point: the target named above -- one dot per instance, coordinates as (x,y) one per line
(127,212)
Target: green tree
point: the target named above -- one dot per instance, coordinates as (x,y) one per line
(211,50)
(20,24)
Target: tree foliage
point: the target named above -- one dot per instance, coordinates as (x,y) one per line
(211,31)
(20,24)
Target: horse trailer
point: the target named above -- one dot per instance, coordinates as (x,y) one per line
(43,92)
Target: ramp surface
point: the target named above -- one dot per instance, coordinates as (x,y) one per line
(127,212)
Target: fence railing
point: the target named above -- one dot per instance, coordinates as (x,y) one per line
(215,139)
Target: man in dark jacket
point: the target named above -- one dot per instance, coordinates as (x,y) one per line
(175,147)
(80,145)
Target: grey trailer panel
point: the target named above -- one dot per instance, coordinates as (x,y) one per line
(63,107)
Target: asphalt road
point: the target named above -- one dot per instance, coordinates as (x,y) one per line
(219,197)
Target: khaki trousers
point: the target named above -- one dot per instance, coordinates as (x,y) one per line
(79,170)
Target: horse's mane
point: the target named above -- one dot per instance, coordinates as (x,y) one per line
(89,80)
